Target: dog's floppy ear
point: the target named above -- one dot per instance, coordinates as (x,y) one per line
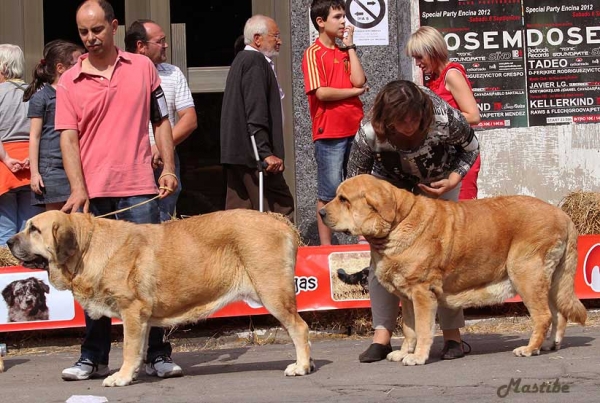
(382,199)
(65,241)
(43,285)
(7,293)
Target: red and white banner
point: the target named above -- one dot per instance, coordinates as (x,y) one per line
(318,286)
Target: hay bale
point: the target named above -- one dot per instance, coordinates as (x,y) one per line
(584,210)
(6,258)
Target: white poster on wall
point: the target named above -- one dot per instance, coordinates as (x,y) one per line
(370,20)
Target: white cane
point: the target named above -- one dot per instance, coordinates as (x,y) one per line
(259,166)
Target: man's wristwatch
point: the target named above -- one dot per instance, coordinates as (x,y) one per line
(353,46)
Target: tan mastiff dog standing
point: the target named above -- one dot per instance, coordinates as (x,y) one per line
(167,274)
(466,254)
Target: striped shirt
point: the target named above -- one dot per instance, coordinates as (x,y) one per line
(177,92)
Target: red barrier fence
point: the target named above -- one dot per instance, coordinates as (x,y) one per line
(317,285)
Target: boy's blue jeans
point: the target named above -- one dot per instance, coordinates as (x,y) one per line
(332,160)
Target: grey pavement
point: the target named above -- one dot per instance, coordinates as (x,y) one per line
(238,373)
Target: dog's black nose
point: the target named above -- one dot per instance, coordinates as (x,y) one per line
(10,242)
(322,213)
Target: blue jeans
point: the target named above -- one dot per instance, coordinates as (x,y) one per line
(167,206)
(15,210)
(96,344)
(332,162)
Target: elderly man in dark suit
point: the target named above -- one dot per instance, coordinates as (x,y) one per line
(252,107)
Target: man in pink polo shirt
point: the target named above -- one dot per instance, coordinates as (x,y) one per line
(103,106)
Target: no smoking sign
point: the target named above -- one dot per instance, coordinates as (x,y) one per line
(365,14)
(370,19)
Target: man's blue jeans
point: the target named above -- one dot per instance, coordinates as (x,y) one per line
(15,210)
(168,205)
(96,345)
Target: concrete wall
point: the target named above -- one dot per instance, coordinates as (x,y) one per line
(548,162)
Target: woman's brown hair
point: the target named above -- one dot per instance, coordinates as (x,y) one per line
(397,100)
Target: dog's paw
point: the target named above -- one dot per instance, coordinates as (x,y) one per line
(552,346)
(396,356)
(525,351)
(413,359)
(116,380)
(296,369)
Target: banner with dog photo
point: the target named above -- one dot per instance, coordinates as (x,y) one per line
(327,277)
(349,273)
(29,297)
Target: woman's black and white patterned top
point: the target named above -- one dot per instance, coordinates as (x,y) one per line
(449,146)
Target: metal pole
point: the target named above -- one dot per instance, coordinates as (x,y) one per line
(259,166)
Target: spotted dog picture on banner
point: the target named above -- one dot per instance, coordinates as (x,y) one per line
(327,277)
(563,61)
(485,36)
(29,297)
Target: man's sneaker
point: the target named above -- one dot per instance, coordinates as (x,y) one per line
(163,367)
(85,369)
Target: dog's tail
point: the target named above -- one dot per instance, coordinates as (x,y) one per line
(297,238)
(562,291)
(351,279)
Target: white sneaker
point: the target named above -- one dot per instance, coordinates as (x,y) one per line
(85,369)
(163,367)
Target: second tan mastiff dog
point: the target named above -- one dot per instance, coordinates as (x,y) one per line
(465,254)
(167,274)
